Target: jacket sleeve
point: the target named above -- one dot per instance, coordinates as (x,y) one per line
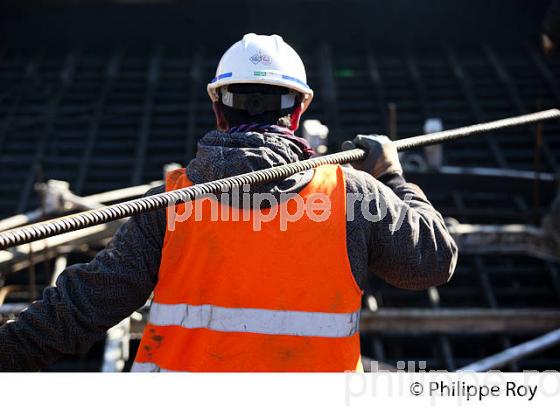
(88,299)
(408,243)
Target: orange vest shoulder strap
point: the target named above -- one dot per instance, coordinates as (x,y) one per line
(177,179)
(328,179)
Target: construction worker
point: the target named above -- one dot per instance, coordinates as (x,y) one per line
(228,297)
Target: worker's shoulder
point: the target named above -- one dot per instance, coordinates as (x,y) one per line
(152,221)
(158,189)
(359,181)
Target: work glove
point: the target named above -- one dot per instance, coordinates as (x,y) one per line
(382,157)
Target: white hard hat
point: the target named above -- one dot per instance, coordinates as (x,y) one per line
(258,59)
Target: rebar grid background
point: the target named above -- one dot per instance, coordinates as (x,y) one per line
(109,119)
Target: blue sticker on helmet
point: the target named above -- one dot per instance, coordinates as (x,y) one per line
(297,80)
(221,76)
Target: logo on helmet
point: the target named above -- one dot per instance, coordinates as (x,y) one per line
(259,57)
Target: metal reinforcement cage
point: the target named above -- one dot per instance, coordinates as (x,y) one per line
(108,116)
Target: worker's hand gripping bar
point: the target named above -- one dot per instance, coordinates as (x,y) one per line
(46,229)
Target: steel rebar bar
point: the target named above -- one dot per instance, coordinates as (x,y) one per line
(105,214)
(515,353)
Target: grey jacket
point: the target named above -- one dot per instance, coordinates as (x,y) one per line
(90,298)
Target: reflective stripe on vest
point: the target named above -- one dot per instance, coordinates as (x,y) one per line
(264,321)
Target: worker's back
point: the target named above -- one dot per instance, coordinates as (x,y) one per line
(238,294)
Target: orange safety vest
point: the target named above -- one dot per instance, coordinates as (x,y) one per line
(230,298)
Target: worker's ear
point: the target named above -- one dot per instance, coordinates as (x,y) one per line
(296,116)
(221,122)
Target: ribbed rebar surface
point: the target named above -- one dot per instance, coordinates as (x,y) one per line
(110,213)
(483,128)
